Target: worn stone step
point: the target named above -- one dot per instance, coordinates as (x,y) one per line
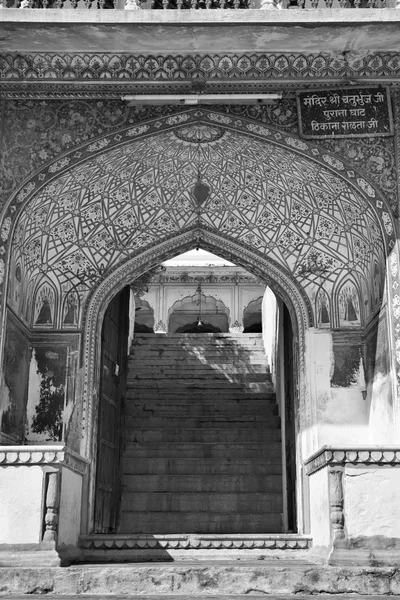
(201,414)
(209,377)
(280,577)
(220,396)
(192,409)
(197,450)
(238,422)
(209,435)
(194,522)
(195,383)
(216,483)
(232,354)
(199,466)
(201,502)
(151,359)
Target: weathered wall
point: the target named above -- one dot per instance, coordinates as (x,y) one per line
(21,493)
(372,506)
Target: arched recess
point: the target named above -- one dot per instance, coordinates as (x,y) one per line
(252,315)
(189,310)
(278,206)
(281,283)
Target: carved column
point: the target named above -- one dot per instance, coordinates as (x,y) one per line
(336,501)
(52,502)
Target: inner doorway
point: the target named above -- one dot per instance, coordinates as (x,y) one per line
(201,444)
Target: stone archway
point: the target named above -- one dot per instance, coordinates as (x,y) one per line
(96,219)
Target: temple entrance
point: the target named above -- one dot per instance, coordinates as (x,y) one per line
(190,435)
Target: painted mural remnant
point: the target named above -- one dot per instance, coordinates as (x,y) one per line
(322,309)
(44,306)
(349,306)
(348,369)
(47,383)
(16,372)
(71,310)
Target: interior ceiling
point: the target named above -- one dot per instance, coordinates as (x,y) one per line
(261,195)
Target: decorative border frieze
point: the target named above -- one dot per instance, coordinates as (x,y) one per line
(195,542)
(173,69)
(329,455)
(12,456)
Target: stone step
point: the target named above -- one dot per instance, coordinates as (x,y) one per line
(210,435)
(201,354)
(199,450)
(221,397)
(201,502)
(199,466)
(279,577)
(230,410)
(196,338)
(153,360)
(215,484)
(151,421)
(195,384)
(206,377)
(195,522)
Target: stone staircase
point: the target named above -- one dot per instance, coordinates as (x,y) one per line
(203,449)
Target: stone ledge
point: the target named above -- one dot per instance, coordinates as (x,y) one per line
(12,456)
(196,542)
(362,455)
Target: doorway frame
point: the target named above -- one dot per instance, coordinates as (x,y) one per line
(282,284)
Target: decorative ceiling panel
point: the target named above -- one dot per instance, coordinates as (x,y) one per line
(262,195)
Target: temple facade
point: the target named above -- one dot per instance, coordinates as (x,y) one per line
(267,134)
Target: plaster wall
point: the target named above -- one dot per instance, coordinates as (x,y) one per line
(372,504)
(340,411)
(269,322)
(70,502)
(21,491)
(319,509)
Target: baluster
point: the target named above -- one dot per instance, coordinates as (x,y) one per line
(88,4)
(208,4)
(300,3)
(179,4)
(45,3)
(101,4)
(236,4)
(222,3)
(193,3)
(52,504)
(314,3)
(165,4)
(371,4)
(328,3)
(344,4)
(336,501)
(357,3)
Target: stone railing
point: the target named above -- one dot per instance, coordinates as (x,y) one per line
(195,4)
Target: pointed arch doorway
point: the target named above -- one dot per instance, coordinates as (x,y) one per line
(243,478)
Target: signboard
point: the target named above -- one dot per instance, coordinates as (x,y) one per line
(350,112)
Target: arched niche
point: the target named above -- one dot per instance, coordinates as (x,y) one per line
(193,308)
(258,216)
(252,316)
(45,306)
(144,316)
